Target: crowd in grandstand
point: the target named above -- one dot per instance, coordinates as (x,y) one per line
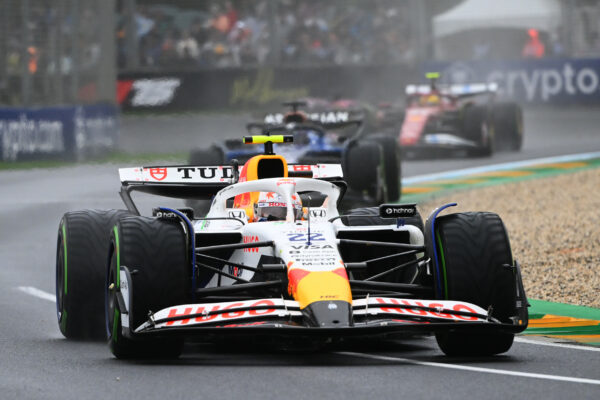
(236,33)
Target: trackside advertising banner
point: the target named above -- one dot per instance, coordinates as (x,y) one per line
(547,81)
(255,88)
(72,131)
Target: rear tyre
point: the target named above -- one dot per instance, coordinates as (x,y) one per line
(392,165)
(508,125)
(476,260)
(212,156)
(477,128)
(361,163)
(155,252)
(83,241)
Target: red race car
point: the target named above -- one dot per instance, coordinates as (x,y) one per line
(454,119)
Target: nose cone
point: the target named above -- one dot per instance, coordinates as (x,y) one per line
(328,314)
(324,297)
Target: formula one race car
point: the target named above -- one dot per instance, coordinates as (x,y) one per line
(371,165)
(266,262)
(454,119)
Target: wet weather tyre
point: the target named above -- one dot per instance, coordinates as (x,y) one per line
(508,126)
(211,156)
(155,253)
(392,165)
(83,242)
(476,263)
(361,165)
(477,128)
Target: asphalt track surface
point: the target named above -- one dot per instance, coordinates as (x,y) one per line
(36,362)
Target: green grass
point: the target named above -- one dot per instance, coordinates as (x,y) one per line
(111,158)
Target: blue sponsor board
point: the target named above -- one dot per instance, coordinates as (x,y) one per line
(73,131)
(546,81)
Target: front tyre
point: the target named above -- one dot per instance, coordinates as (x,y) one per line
(155,253)
(82,245)
(477,267)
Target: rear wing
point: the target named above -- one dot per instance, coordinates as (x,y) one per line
(196,182)
(322,117)
(461,90)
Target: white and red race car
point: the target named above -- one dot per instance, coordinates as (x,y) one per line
(454,119)
(274,258)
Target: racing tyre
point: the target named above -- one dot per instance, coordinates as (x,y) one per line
(508,126)
(476,260)
(211,156)
(154,253)
(392,165)
(361,164)
(83,241)
(478,129)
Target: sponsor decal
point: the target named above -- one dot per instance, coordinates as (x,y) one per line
(424,313)
(302,167)
(250,239)
(192,173)
(286,181)
(318,213)
(158,174)
(240,214)
(262,90)
(397,210)
(27,135)
(153,92)
(207,316)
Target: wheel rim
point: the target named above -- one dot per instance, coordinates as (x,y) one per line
(110,299)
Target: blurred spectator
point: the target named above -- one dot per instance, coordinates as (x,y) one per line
(534,48)
(295,32)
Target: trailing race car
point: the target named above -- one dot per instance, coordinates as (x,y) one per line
(372,165)
(267,262)
(463,119)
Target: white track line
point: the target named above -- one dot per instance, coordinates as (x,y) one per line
(498,167)
(474,369)
(552,344)
(37,293)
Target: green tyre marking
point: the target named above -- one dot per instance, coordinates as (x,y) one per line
(117,284)
(443,264)
(63,320)
(115,326)
(65,253)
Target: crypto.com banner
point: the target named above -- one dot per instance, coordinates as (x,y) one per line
(546,81)
(72,131)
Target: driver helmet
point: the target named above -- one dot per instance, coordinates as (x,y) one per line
(272,207)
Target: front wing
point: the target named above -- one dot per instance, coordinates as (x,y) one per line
(373,315)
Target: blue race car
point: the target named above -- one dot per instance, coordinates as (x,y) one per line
(371,163)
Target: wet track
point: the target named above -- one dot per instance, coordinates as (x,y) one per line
(36,362)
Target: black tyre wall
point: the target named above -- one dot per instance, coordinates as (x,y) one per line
(508,124)
(475,118)
(476,264)
(84,238)
(360,164)
(392,165)
(155,251)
